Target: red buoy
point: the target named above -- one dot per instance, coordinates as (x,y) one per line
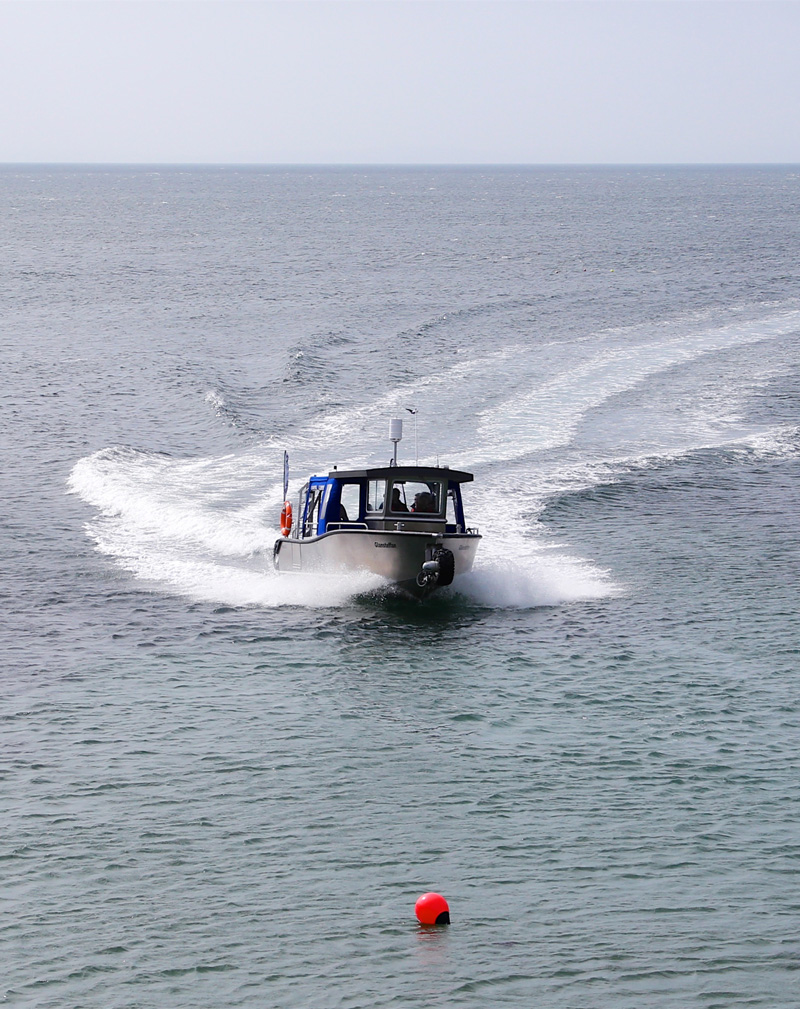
(432,909)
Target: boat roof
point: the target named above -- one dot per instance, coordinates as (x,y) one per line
(423,473)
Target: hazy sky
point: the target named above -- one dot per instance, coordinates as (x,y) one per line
(400,81)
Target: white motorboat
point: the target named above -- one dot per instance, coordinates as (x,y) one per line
(404,523)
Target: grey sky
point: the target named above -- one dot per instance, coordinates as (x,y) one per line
(378,81)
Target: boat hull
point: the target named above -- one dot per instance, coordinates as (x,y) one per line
(398,556)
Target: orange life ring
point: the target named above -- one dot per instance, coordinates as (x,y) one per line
(286,519)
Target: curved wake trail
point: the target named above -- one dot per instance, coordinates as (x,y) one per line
(551,418)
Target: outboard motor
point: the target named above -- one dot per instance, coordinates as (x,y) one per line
(439,570)
(447,565)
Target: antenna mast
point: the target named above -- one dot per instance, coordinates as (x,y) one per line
(416,443)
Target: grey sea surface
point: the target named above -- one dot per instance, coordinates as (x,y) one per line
(221,787)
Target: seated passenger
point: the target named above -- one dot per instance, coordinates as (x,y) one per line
(398,505)
(424,502)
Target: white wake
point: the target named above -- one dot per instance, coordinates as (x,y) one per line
(532,421)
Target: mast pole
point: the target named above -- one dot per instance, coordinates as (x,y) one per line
(414,411)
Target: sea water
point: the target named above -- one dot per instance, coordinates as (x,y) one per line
(223,787)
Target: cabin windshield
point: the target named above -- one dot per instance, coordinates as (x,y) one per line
(416,497)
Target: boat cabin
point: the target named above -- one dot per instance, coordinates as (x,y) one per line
(413,498)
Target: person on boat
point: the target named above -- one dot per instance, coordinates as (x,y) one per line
(398,505)
(423,502)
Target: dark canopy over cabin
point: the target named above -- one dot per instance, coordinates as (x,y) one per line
(385,497)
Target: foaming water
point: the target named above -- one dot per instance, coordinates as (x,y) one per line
(544,581)
(205,503)
(172,524)
(204,527)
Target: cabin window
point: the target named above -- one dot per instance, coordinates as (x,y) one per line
(312,512)
(351,502)
(375,493)
(416,497)
(325,498)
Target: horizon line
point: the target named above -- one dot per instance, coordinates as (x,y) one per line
(399,164)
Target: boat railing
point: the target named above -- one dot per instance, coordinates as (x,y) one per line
(401,527)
